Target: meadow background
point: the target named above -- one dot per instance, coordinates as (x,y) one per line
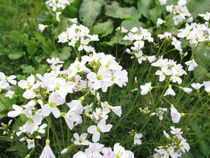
(24,50)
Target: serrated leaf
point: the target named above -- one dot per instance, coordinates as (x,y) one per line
(115,11)
(89,10)
(129,24)
(104,28)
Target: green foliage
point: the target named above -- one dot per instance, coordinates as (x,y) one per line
(24,50)
(103,29)
(89,10)
(115,11)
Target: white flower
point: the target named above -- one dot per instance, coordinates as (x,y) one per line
(196,86)
(162,2)
(116,109)
(187,90)
(101,127)
(191,65)
(57,4)
(58,16)
(42,27)
(207,86)
(160,111)
(73,116)
(81,140)
(160,21)
(17,111)
(9,94)
(5,80)
(175,115)
(108,153)
(29,86)
(47,151)
(137,138)
(30,143)
(120,152)
(206,16)
(169,91)
(41,129)
(51,107)
(146,88)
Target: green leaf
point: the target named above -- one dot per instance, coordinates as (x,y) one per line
(198,6)
(27,69)
(18,37)
(117,39)
(204,148)
(65,53)
(104,28)
(202,57)
(32,47)
(4,138)
(89,10)
(144,7)
(70,11)
(129,1)
(129,24)
(16,55)
(115,11)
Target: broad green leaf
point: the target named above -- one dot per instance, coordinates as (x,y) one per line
(129,24)
(204,148)
(16,55)
(115,11)
(144,7)
(89,10)
(198,6)
(104,28)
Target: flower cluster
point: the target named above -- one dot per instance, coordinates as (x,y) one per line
(176,147)
(205,16)
(174,41)
(49,91)
(138,36)
(96,150)
(170,70)
(195,33)
(78,36)
(180,12)
(57,4)
(159,112)
(6,83)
